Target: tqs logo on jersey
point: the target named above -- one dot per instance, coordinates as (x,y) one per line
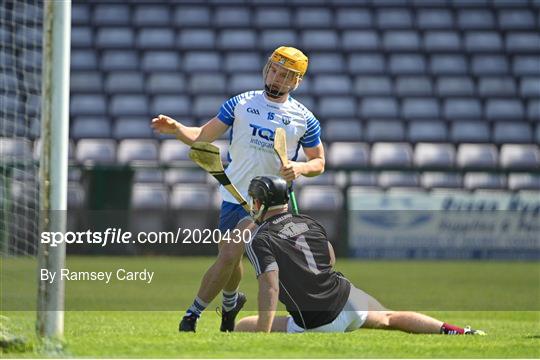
(286,120)
(264,133)
(253,111)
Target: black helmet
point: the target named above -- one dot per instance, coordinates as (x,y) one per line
(270,190)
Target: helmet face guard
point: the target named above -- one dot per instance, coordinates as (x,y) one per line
(279,80)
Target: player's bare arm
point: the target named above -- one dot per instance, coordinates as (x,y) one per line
(268,299)
(312,167)
(209,132)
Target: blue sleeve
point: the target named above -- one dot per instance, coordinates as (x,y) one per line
(312,137)
(226,111)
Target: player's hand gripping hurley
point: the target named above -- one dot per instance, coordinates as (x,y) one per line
(280,147)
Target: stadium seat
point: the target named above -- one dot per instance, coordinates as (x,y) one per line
(406,64)
(314,197)
(185,176)
(132,128)
(442,41)
(462,109)
(172,105)
(483,65)
(430,180)
(196,39)
(431,155)
(475,19)
(483,41)
(360,40)
(152,15)
(80,14)
(236,39)
(30,60)
(342,130)
(391,155)
(82,82)
(469,131)
(230,17)
(372,85)
(242,82)
(328,178)
(206,106)
(202,61)
(434,19)
(353,18)
(272,17)
(477,156)
(401,41)
(337,106)
(523,65)
(99,151)
(413,86)
(533,110)
(135,150)
(124,105)
(331,85)
(313,17)
(90,127)
(115,37)
(191,16)
(479,180)
(166,83)
(523,181)
(171,151)
(364,179)
(271,39)
(246,61)
(393,18)
(504,109)
(113,60)
(155,38)
(522,42)
(81,37)
(348,155)
(15,149)
(420,108)
(147,175)
(124,82)
(512,132)
(191,197)
(111,14)
(364,64)
(457,86)
(378,107)
(520,19)
(530,86)
(88,104)
(448,65)
(390,179)
(319,40)
(497,87)
(203,83)
(160,61)
(149,196)
(426,131)
(515,156)
(385,130)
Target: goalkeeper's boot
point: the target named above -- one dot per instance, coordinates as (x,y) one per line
(228,317)
(469,331)
(188,323)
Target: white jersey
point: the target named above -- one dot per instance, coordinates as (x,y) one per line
(253,119)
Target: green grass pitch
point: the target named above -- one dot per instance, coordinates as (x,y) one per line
(140,320)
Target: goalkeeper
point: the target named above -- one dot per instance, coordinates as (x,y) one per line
(294,262)
(253,117)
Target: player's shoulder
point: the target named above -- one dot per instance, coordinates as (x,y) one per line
(247,95)
(260,235)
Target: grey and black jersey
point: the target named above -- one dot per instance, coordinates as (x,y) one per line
(297,246)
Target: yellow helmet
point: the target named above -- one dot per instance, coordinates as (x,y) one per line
(290,58)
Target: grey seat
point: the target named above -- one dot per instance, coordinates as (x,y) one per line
(196,39)
(172,105)
(207,106)
(313,197)
(512,132)
(372,85)
(113,60)
(448,65)
(152,15)
(469,131)
(242,82)
(431,180)
(497,87)
(391,154)
(230,16)
(343,130)
(202,83)
(530,87)
(173,152)
(124,82)
(504,109)
(271,39)
(316,17)
(390,179)
(185,176)
(80,60)
(111,14)
(393,18)
(155,38)
(378,107)
(515,156)
(413,86)
(442,41)
(480,180)
(432,155)
(15,148)
(519,19)
(137,150)
(154,61)
(482,65)
(326,63)
(331,85)
(109,38)
(385,130)
(31,59)
(360,40)
(406,64)
(95,151)
(122,105)
(353,18)
(319,40)
(523,181)
(483,41)
(149,196)
(81,37)
(427,131)
(166,83)
(365,64)
(533,110)
(237,39)
(462,109)
(272,17)
(401,41)
(132,128)
(80,14)
(475,19)
(191,196)
(246,61)
(337,106)
(433,19)
(90,127)
(524,65)
(420,108)
(522,42)
(84,81)
(477,156)
(190,16)
(88,105)
(348,155)
(202,61)
(457,86)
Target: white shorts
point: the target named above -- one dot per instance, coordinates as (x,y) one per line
(352,317)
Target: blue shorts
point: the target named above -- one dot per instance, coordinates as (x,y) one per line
(230,215)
